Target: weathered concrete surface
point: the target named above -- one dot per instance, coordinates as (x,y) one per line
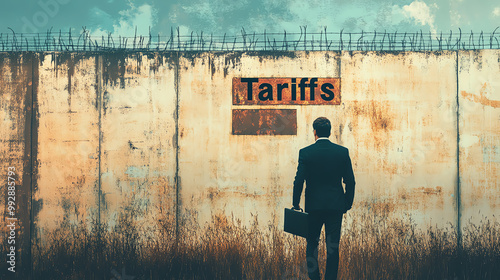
(398,119)
(135,136)
(479,99)
(396,116)
(68,144)
(240,175)
(16,112)
(138,149)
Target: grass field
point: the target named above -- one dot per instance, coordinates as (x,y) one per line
(224,249)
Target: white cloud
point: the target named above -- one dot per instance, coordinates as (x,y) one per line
(420,12)
(142,18)
(496,11)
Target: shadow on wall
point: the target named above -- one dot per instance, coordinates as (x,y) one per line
(372,248)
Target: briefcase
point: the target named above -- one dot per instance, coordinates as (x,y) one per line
(296,222)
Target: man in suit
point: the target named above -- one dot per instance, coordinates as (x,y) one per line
(323,165)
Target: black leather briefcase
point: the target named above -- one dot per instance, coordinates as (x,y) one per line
(296,222)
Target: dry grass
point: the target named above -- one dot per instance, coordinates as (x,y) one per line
(397,250)
(372,249)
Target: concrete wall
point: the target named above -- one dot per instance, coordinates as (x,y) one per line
(148,136)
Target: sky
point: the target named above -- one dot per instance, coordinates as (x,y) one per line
(122,17)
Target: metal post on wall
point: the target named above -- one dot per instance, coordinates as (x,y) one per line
(99,77)
(457,191)
(176,145)
(32,138)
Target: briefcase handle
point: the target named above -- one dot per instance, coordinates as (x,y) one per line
(301,210)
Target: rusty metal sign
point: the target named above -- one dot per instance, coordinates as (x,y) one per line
(264,122)
(286,91)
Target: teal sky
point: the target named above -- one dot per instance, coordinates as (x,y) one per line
(120,17)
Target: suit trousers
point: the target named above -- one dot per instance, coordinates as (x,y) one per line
(332,220)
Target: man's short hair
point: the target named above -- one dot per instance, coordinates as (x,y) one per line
(322,126)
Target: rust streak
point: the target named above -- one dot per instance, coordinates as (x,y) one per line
(429,190)
(482,99)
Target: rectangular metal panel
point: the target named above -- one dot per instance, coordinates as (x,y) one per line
(286,91)
(68,145)
(479,139)
(264,122)
(399,123)
(138,148)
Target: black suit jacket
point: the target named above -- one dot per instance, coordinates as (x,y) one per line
(323,165)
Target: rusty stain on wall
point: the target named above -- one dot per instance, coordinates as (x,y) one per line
(481,98)
(399,138)
(264,122)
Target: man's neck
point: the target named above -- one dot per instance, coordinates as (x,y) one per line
(319,138)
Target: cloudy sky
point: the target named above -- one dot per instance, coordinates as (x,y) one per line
(121,17)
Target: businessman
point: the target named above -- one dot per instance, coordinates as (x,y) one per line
(323,166)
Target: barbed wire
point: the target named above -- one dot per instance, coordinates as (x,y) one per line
(251,41)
